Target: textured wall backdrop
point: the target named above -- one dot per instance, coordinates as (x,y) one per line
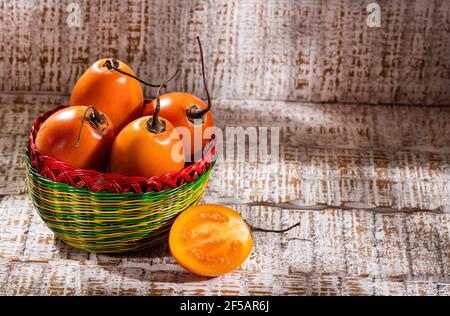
(303,50)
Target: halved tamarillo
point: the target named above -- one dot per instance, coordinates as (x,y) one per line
(188,112)
(111,86)
(148,146)
(79,135)
(210,240)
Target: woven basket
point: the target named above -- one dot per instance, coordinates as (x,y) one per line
(109,213)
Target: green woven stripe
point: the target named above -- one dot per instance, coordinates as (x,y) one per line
(106,221)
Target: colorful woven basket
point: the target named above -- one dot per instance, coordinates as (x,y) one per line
(109,213)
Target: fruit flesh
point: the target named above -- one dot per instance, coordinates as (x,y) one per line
(210,240)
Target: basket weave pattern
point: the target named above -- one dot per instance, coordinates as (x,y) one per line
(108,213)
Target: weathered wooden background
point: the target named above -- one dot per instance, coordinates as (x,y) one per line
(303,50)
(365,155)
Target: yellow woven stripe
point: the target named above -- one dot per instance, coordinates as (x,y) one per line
(107,236)
(118,247)
(147,210)
(52,222)
(45,195)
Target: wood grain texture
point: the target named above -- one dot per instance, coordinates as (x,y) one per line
(280,264)
(308,50)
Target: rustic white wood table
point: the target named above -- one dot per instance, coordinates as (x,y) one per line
(370,186)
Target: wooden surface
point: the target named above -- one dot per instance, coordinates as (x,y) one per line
(370,186)
(302,50)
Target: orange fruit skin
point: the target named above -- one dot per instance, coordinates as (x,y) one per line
(139,152)
(210,240)
(173,107)
(111,92)
(57,137)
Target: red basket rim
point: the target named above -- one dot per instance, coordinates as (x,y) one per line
(94,180)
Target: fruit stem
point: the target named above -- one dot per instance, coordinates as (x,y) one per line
(278,231)
(154,124)
(95,117)
(194,112)
(114,64)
